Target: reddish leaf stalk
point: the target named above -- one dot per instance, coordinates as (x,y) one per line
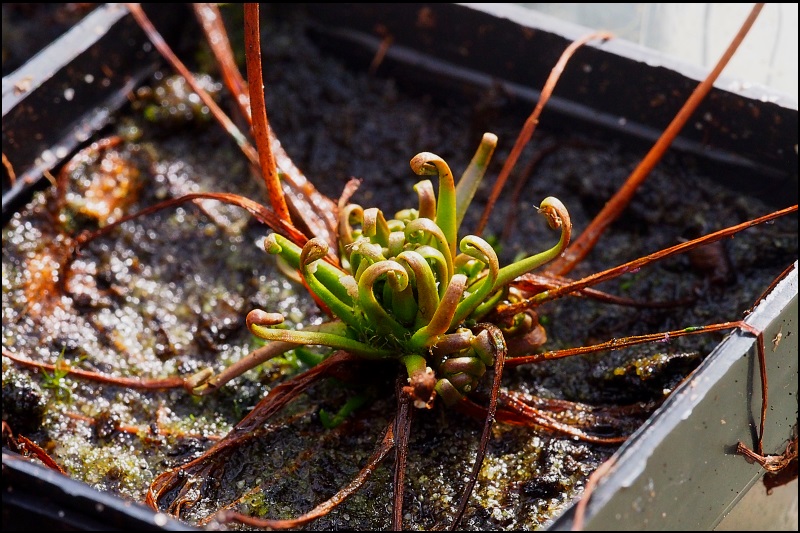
(624,342)
(632,266)
(614,207)
(530,124)
(210,19)
(315,213)
(385,446)
(402,431)
(591,484)
(258,111)
(164,49)
(133,383)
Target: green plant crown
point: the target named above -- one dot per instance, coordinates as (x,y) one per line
(404,290)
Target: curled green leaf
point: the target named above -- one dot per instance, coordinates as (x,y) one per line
(428,164)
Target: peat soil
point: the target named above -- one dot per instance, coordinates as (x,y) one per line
(167,295)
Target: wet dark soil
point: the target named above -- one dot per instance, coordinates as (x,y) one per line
(167,294)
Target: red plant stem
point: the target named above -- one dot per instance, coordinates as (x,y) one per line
(314,210)
(258,111)
(632,266)
(402,434)
(12,177)
(241,140)
(762,367)
(530,124)
(614,207)
(258,211)
(174,382)
(385,446)
(500,352)
(591,484)
(164,49)
(762,370)
(624,342)
(24,446)
(30,446)
(210,19)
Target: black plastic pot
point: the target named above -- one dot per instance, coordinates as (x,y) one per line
(69,90)
(51,105)
(679,471)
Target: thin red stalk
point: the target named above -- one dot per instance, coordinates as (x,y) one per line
(217,38)
(134,383)
(29,446)
(762,367)
(515,411)
(259,212)
(614,207)
(762,370)
(500,358)
(324,508)
(624,342)
(163,48)
(402,430)
(386,42)
(249,151)
(512,309)
(12,177)
(311,209)
(530,124)
(25,446)
(258,111)
(591,484)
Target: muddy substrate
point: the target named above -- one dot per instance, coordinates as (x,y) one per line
(167,295)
